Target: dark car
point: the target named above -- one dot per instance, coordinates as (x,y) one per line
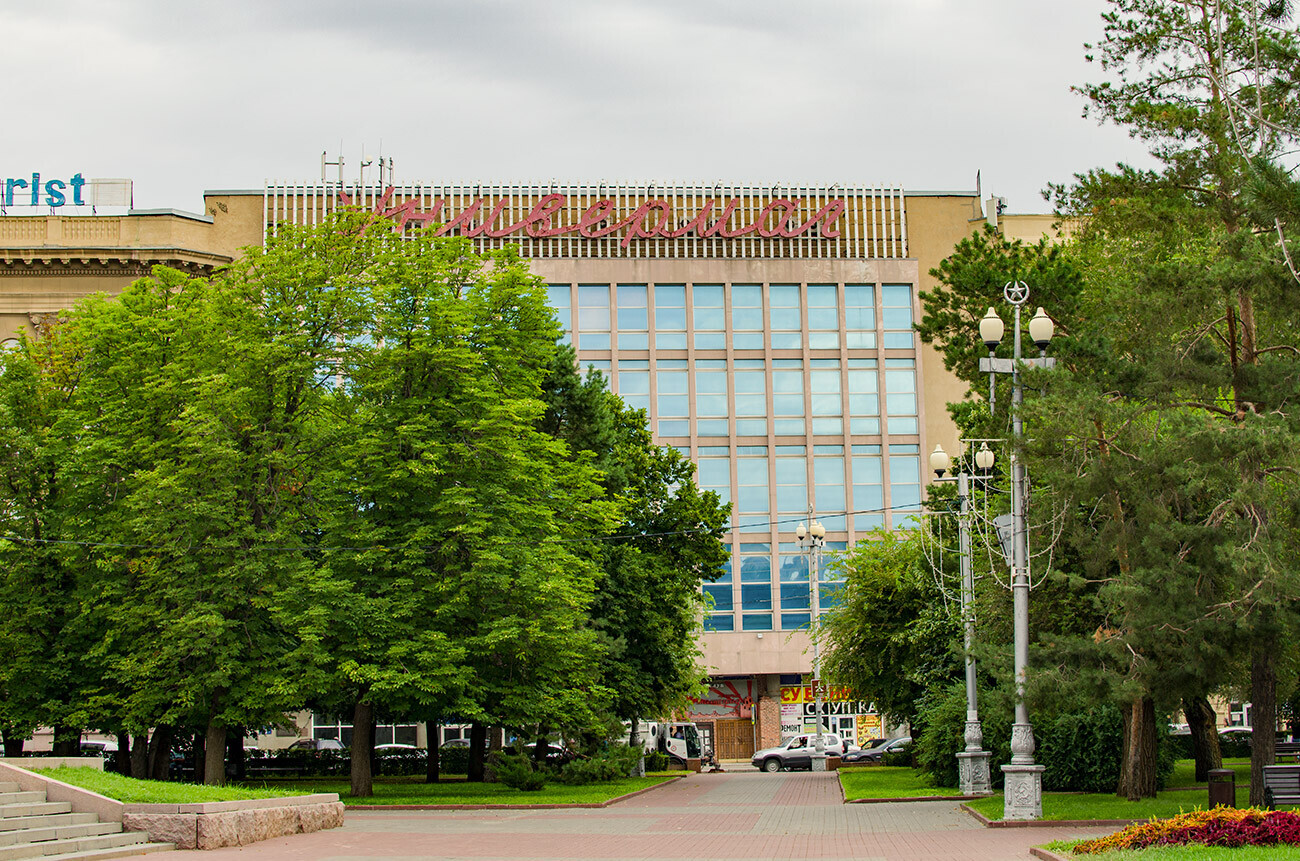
(877,753)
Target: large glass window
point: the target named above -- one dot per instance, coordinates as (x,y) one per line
(791,481)
(868,488)
(785,318)
(896,313)
(593,316)
(795,595)
(671,397)
(864,400)
(746,316)
(860,316)
(756,586)
(710,317)
(830,578)
(787,396)
(823,317)
(751,479)
(900,395)
(750,380)
(711,397)
(634,383)
(633,317)
(713,470)
(670,316)
(558,297)
(721,590)
(827,406)
(904,484)
(828,476)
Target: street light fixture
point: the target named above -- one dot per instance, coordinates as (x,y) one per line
(1024,779)
(812,538)
(973,762)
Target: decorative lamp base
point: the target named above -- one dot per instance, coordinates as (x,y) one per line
(819,762)
(1023,798)
(973,772)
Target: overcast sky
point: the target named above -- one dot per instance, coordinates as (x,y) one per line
(182,96)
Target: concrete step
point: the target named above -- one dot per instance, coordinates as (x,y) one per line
(20,797)
(34,808)
(41,832)
(73,845)
(6,786)
(15,823)
(116,852)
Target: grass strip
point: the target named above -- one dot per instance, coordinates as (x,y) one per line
(414,791)
(1185,773)
(129,790)
(1087,806)
(1185,853)
(884,781)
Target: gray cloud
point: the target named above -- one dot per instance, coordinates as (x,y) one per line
(184,96)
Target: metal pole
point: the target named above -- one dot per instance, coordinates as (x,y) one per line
(967,591)
(1020,581)
(814,560)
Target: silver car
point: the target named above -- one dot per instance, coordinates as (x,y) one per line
(797,752)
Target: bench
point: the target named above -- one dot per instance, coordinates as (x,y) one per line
(1281,785)
(1289,749)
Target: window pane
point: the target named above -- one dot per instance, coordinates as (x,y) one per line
(756,596)
(558,297)
(720,623)
(722,595)
(785,316)
(794,621)
(670,316)
(757,623)
(593,316)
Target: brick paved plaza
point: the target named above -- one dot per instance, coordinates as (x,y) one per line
(706,816)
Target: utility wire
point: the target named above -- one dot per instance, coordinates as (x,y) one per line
(301,548)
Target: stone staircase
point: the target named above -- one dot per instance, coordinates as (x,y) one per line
(31,827)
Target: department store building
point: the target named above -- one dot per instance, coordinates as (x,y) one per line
(767,333)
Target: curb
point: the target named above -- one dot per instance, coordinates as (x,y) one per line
(1047,854)
(916,798)
(1046,823)
(592,805)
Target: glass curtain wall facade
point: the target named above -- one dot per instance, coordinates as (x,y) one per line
(789,396)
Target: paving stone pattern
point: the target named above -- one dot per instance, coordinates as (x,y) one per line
(706,816)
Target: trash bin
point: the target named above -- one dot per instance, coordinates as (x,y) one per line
(1223,787)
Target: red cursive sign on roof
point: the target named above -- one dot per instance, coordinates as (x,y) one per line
(654,218)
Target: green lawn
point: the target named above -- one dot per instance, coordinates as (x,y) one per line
(1062,805)
(1188,853)
(883,781)
(413,790)
(131,791)
(1185,772)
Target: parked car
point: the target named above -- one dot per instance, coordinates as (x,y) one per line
(456,742)
(554,754)
(317,744)
(98,748)
(395,747)
(877,753)
(797,752)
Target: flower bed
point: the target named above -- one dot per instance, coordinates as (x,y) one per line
(1222,826)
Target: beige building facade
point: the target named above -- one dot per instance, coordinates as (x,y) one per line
(767,332)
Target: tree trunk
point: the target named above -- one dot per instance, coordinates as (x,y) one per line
(140,756)
(200,755)
(1204,735)
(214,754)
(540,747)
(1137,779)
(431,766)
(67,740)
(1263,716)
(363,749)
(477,751)
(634,742)
(160,753)
(13,744)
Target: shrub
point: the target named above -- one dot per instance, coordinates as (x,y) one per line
(1081,750)
(943,719)
(394,761)
(453,760)
(613,763)
(656,761)
(516,771)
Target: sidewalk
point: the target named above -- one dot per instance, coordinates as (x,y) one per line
(706,816)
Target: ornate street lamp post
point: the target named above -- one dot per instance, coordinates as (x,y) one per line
(973,762)
(1023,797)
(811,540)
